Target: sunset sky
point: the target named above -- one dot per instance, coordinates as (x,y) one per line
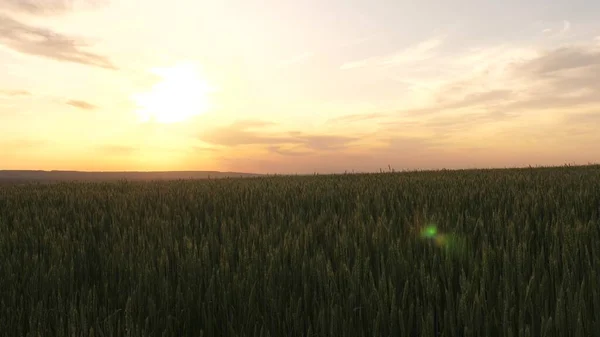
(298,86)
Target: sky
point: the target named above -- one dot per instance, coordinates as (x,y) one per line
(298,86)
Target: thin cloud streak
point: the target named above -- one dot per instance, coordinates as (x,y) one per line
(420,52)
(356,118)
(416,53)
(81,104)
(27,39)
(14,93)
(304,57)
(46,7)
(43,7)
(566,27)
(554,88)
(240,134)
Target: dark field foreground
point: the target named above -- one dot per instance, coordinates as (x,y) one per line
(517,253)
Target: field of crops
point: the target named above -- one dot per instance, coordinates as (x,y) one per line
(448,253)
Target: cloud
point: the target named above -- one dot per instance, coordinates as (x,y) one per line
(566,27)
(325,142)
(39,7)
(419,52)
(561,59)
(304,57)
(552,89)
(557,78)
(488,100)
(14,93)
(566,77)
(46,7)
(81,104)
(560,30)
(241,133)
(252,124)
(471,100)
(43,42)
(234,135)
(283,151)
(356,118)
(400,152)
(505,105)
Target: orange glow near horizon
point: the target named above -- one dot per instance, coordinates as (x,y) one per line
(279,87)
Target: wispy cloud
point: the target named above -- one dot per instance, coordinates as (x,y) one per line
(544,78)
(252,124)
(356,118)
(41,7)
(245,133)
(560,59)
(541,98)
(397,150)
(420,52)
(566,27)
(485,99)
(46,7)
(554,88)
(14,93)
(287,151)
(81,104)
(558,32)
(27,39)
(304,57)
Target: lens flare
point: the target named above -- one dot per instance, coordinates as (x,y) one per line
(449,242)
(429,232)
(441,240)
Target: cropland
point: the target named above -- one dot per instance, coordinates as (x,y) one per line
(482,253)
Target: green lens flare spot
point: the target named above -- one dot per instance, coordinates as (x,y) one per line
(429,232)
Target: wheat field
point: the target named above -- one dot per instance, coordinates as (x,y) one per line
(511,252)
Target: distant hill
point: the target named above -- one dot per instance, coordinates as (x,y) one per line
(18,176)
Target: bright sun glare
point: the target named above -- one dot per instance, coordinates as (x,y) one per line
(181,94)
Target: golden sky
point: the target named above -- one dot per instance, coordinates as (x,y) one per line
(298,86)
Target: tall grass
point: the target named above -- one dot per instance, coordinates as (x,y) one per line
(336,255)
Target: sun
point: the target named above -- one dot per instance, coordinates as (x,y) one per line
(181,94)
